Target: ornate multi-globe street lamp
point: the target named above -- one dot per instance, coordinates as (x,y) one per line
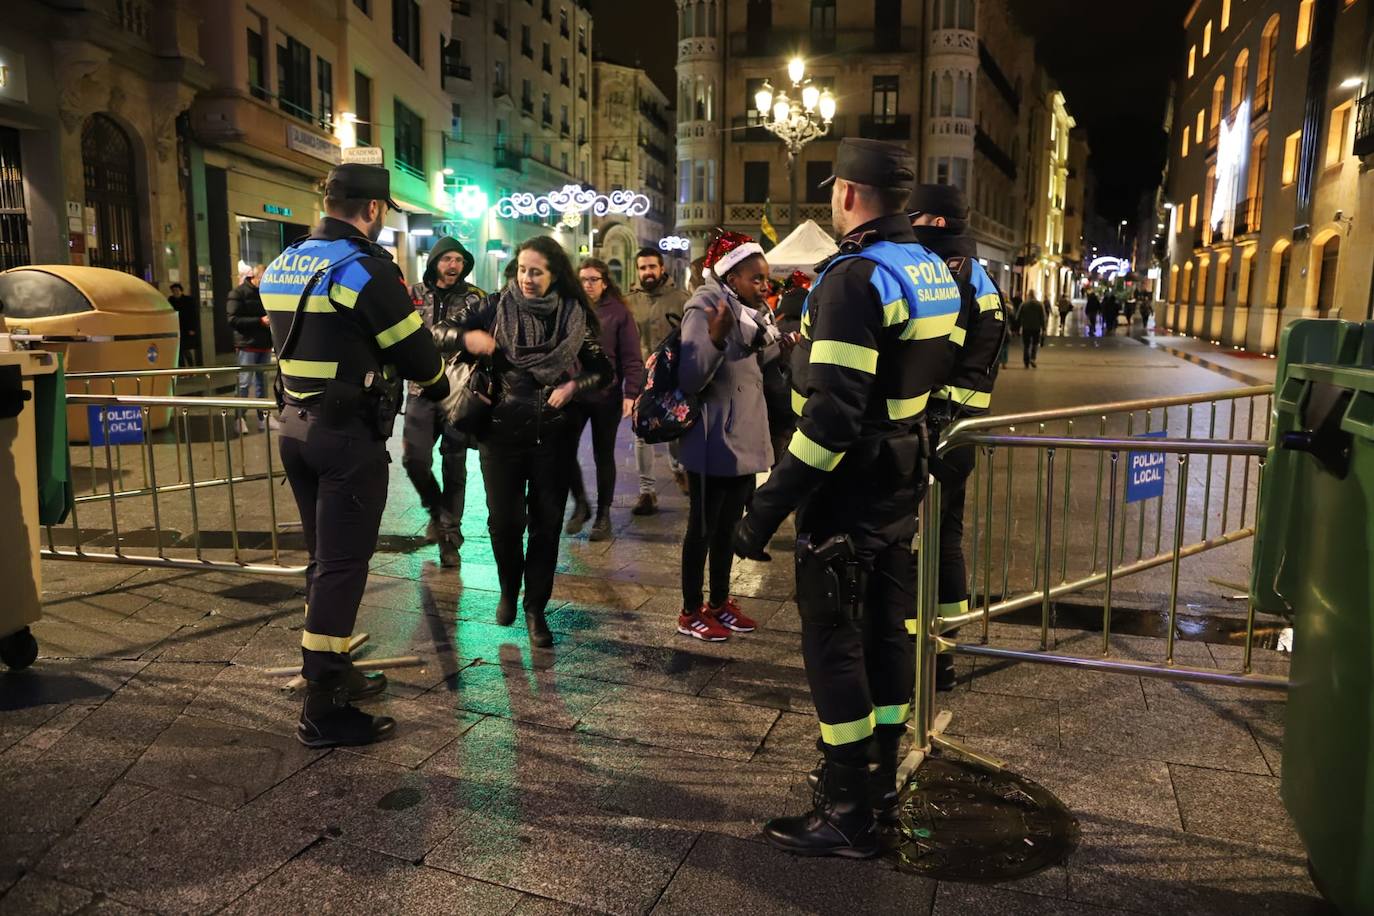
(795,120)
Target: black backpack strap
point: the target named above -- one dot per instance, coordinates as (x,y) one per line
(288,346)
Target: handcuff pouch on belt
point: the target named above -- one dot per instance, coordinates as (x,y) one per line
(831,581)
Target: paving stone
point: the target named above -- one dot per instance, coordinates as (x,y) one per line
(369,803)
(20,850)
(246,697)
(680,669)
(539,696)
(980,715)
(762,684)
(272,647)
(727,875)
(228,597)
(714,728)
(172,854)
(35,895)
(211,640)
(1170,731)
(339,877)
(791,743)
(422,729)
(116,601)
(88,632)
(977,900)
(1209,798)
(530,905)
(1169,871)
(1053,682)
(575,854)
(224,765)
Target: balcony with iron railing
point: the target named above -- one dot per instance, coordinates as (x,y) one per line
(405,168)
(508,159)
(654,116)
(1248,213)
(747,129)
(984,144)
(1364,126)
(885,127)
(786,42)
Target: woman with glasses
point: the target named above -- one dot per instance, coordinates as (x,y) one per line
(606,407)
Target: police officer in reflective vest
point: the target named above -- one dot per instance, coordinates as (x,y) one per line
(875,344)
(939,218)
(345,332)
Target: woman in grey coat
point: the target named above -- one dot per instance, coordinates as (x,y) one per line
(727,337)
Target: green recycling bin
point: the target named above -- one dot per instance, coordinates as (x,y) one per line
(1312,563)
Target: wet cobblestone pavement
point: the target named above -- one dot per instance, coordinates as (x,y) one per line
(148,762)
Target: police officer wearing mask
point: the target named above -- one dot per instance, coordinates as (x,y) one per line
(939,218)
(344,331)
(442,294)
(875,344)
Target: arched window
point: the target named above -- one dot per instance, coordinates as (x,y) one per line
(946,106)
(1173,283)
(1254,188)
(700,106)
(1218,104)
(107,158)
(963,96)
(1268,63)
(965,14)
(701,19)
(1283,265)
(688,19)
(710,101)
(1326,276)
(1209,190)
(711,19)
(684,101)
(1239,75)
(1200,289)
(1189,275)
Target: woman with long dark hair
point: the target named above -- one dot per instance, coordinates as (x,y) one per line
(541,336)
(604,409)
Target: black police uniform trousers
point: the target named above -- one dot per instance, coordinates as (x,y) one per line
(423,427)
(952,469)
(339,479)
(862,672)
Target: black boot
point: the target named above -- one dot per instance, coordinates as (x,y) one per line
(944,672)
(882,781)
(841,824)
(505,608)
(432,530)
(448,552)
(816,777)
(329,720)
(363,685)
(581,513)
(601,528)
(540,637)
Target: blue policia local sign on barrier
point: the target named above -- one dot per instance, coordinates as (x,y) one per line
(1146,470)
(125,424)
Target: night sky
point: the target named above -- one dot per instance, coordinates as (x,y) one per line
(1113,61)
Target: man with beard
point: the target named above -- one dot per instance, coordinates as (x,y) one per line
(343,329)
(443,292)
(656,304)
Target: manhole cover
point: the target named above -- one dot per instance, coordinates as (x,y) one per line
(962,822)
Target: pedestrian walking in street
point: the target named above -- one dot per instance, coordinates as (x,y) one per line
(1030,318)
(340,315)
(605,409)
(1091,310)
(188,321)
(1111,313)
(252,340)
(544,345)
(726,342)
(1065,308)
(876,344)
(1147,311)
(1128,309)
(443,293)
(939,218)
(656,304)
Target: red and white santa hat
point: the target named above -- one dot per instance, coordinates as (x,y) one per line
(728,250)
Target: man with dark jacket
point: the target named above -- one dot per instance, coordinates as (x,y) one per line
(442,293)
(252,339)
(1030,318)
(657,304)
(188,319)
(939,218)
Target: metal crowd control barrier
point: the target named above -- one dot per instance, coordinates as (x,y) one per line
(198,494)
(1031,545)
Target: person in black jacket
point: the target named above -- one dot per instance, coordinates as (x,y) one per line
(542,338)
(188,319)
(252,338)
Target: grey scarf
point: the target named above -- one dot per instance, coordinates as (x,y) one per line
(540,336)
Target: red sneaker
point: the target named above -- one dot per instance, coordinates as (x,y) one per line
(701,625)
(731,617)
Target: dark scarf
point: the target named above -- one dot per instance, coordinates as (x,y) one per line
(523,329)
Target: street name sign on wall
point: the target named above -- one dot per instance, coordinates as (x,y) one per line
(125,424)
(303,141)
(1146,473)
(367,155)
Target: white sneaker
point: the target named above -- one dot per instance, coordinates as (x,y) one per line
(242,426)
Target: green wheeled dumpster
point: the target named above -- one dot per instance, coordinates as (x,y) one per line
(1314,562)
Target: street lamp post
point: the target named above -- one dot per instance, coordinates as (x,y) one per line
(796,121)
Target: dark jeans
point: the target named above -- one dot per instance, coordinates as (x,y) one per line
(717,505)
(339,480)
(526,487)
(422,428)
(604,416)
(1030,345)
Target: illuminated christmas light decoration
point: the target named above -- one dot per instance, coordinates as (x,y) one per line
(573,199)
(675,243)
(1233,143)
(1111,267)
(571,219)
(470,202)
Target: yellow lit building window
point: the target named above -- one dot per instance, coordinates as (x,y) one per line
(1305,10)
(1187,135)
(1290,157)
(1225,14)
(1335,135)
(1207,38)
(1192,211)
(1192,60)
(1201,126)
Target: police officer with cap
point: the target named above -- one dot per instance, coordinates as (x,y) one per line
(875,344)
(345,332)
(939,218)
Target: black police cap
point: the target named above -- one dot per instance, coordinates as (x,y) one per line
(938,200)
(356,181)
(873,163)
